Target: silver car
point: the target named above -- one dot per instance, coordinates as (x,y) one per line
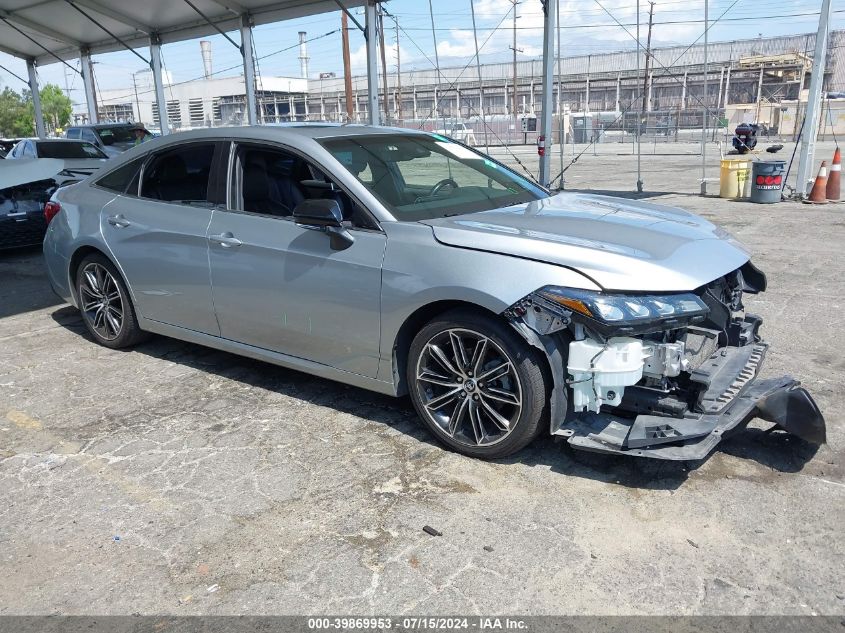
(408,263)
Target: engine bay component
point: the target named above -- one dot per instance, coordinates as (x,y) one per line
(667,359)
(601,371)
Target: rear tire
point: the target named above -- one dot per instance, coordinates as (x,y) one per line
(478,386)
(105,304)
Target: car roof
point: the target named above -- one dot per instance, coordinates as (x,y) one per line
(60,140)
(100,125)
(283,131)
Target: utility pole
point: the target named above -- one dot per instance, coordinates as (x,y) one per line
(647,76)
(137,103)
(515,50)
(811,119)
(480,84)
(383,65)
(436,62)
(398,74)
(347,70)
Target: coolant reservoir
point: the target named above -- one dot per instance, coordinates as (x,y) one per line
(600,372)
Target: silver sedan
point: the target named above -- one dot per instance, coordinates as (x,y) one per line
(407,262)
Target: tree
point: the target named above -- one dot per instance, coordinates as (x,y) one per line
(15,114)
(56,106)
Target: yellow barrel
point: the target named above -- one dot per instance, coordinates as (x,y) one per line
(735,178)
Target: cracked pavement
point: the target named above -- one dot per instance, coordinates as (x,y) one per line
(174,479)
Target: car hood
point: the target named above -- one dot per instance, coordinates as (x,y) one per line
(620,244)
(21,171)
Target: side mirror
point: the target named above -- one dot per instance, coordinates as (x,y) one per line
(324,215)
(320,212)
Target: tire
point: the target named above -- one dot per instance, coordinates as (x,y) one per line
(466,407)
(110,319)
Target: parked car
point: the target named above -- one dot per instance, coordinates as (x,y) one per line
(458,131)
(6,145)
(404,262)
(112,138)
(24,189)
(80,158)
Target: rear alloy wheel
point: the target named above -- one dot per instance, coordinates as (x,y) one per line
(104,303)
(477,385)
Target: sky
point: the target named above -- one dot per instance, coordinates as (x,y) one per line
(587,26)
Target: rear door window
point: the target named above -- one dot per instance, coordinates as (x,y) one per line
(179,175)
(72,133)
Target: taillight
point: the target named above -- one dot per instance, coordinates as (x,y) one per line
(50,210)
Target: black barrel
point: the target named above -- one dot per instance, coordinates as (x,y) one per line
(767,181)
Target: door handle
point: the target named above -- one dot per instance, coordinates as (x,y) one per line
(226,240)
(118,221)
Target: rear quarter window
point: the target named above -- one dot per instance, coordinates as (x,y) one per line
(120,179)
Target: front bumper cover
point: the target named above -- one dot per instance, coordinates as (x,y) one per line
(779,400)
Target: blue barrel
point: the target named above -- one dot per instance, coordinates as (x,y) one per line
(767,181)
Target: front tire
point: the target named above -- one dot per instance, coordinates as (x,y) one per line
(478,386)
(104,302)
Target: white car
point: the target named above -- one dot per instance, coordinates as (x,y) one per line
(79,159)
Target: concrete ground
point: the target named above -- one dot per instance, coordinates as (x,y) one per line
(175,479)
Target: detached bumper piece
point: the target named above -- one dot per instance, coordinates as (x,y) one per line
(692,437)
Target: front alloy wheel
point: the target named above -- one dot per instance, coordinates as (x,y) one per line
(469,387)
(476,384)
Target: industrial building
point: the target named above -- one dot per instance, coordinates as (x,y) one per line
(760,79)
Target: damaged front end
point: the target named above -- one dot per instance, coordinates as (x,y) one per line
(662,376)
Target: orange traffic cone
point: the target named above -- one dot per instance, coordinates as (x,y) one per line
(817,193)
(832,189)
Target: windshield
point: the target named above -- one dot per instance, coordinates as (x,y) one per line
(419,177)
(65,149)
(110,135)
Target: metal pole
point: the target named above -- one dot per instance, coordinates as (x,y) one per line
(372,62)
(36,99)
(137,102)
(436,63)
(383,55)
(561,131)
(548,86)
(759,95)
(88,84)
(811,120)
(639,122)
(399,115)
(515,100)
(704,104)
(347,66)
(249,68)
(155,64)
(587,95)
(480,85)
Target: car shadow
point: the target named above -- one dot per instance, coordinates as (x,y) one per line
(24,286)
(776,451)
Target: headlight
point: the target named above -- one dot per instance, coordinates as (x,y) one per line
(627,310)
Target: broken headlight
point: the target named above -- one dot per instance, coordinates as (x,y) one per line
(621,312)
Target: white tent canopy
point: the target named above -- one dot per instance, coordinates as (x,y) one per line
(63,27)
(52,31)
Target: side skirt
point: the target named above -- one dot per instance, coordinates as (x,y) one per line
(276,358)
